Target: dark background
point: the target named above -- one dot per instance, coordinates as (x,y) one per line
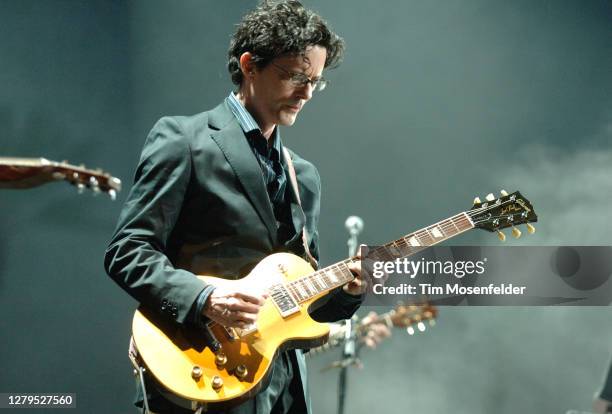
(435,103)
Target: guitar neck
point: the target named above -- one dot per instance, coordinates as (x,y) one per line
(39,164)
(338,274)
(25,172)
(24,162)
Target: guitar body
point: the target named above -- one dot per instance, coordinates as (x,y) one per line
(171,353)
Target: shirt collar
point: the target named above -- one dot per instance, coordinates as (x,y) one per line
(248,123)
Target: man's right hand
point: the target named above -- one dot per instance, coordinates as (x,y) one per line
(233,306)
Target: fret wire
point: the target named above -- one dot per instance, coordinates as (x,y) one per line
(311,286)
(348,275)
(463,224)
(313,279)
(329,280)
(325,279)
(335,269)
(301,289)
(297,291)
(424,235)
(441,226)
(337,272)
(289,288)
(305,287)
(322,280)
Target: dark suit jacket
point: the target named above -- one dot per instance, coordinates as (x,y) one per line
(199,205)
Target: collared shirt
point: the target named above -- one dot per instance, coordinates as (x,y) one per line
(268,156)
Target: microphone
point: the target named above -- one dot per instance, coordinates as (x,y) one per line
(354,225)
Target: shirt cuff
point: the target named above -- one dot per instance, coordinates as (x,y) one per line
(197,317)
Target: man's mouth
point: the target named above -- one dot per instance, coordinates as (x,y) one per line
(294,108)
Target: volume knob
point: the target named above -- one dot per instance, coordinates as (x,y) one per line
(241,371)
(196,373)
(220,359)
(217,383)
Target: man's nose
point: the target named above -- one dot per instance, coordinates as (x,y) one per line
(305,92)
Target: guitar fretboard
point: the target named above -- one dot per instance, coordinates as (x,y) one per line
(338,274)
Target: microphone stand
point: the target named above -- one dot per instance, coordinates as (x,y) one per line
(354,225)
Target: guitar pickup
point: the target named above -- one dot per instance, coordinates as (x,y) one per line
(283,300)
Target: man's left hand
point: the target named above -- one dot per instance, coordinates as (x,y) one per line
(358,285)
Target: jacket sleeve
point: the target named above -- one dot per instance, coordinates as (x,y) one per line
(135,257)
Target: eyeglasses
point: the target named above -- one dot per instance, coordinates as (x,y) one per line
(300,80)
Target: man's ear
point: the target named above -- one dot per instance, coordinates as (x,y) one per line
(246,64)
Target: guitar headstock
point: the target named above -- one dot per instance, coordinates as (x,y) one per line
(413,315)
(19,173)
(81,177)
(509,210)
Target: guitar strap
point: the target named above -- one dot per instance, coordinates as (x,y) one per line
(296,190)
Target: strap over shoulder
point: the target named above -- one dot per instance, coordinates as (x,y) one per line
(294,184)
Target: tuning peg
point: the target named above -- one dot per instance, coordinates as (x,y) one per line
(501,235)
(530,228)
(516,232)
(432,322)
(410,330)
(477,201)
(112,194)
(490,197)
(503,193)
(80,188)
(95,186)
(116,182)
(421,326)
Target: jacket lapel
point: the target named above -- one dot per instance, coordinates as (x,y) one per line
(232,142)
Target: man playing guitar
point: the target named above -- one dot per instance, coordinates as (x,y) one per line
(213,195)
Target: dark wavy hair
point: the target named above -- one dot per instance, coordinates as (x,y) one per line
(277,28)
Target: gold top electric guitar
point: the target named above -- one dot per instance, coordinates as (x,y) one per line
(227,366)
